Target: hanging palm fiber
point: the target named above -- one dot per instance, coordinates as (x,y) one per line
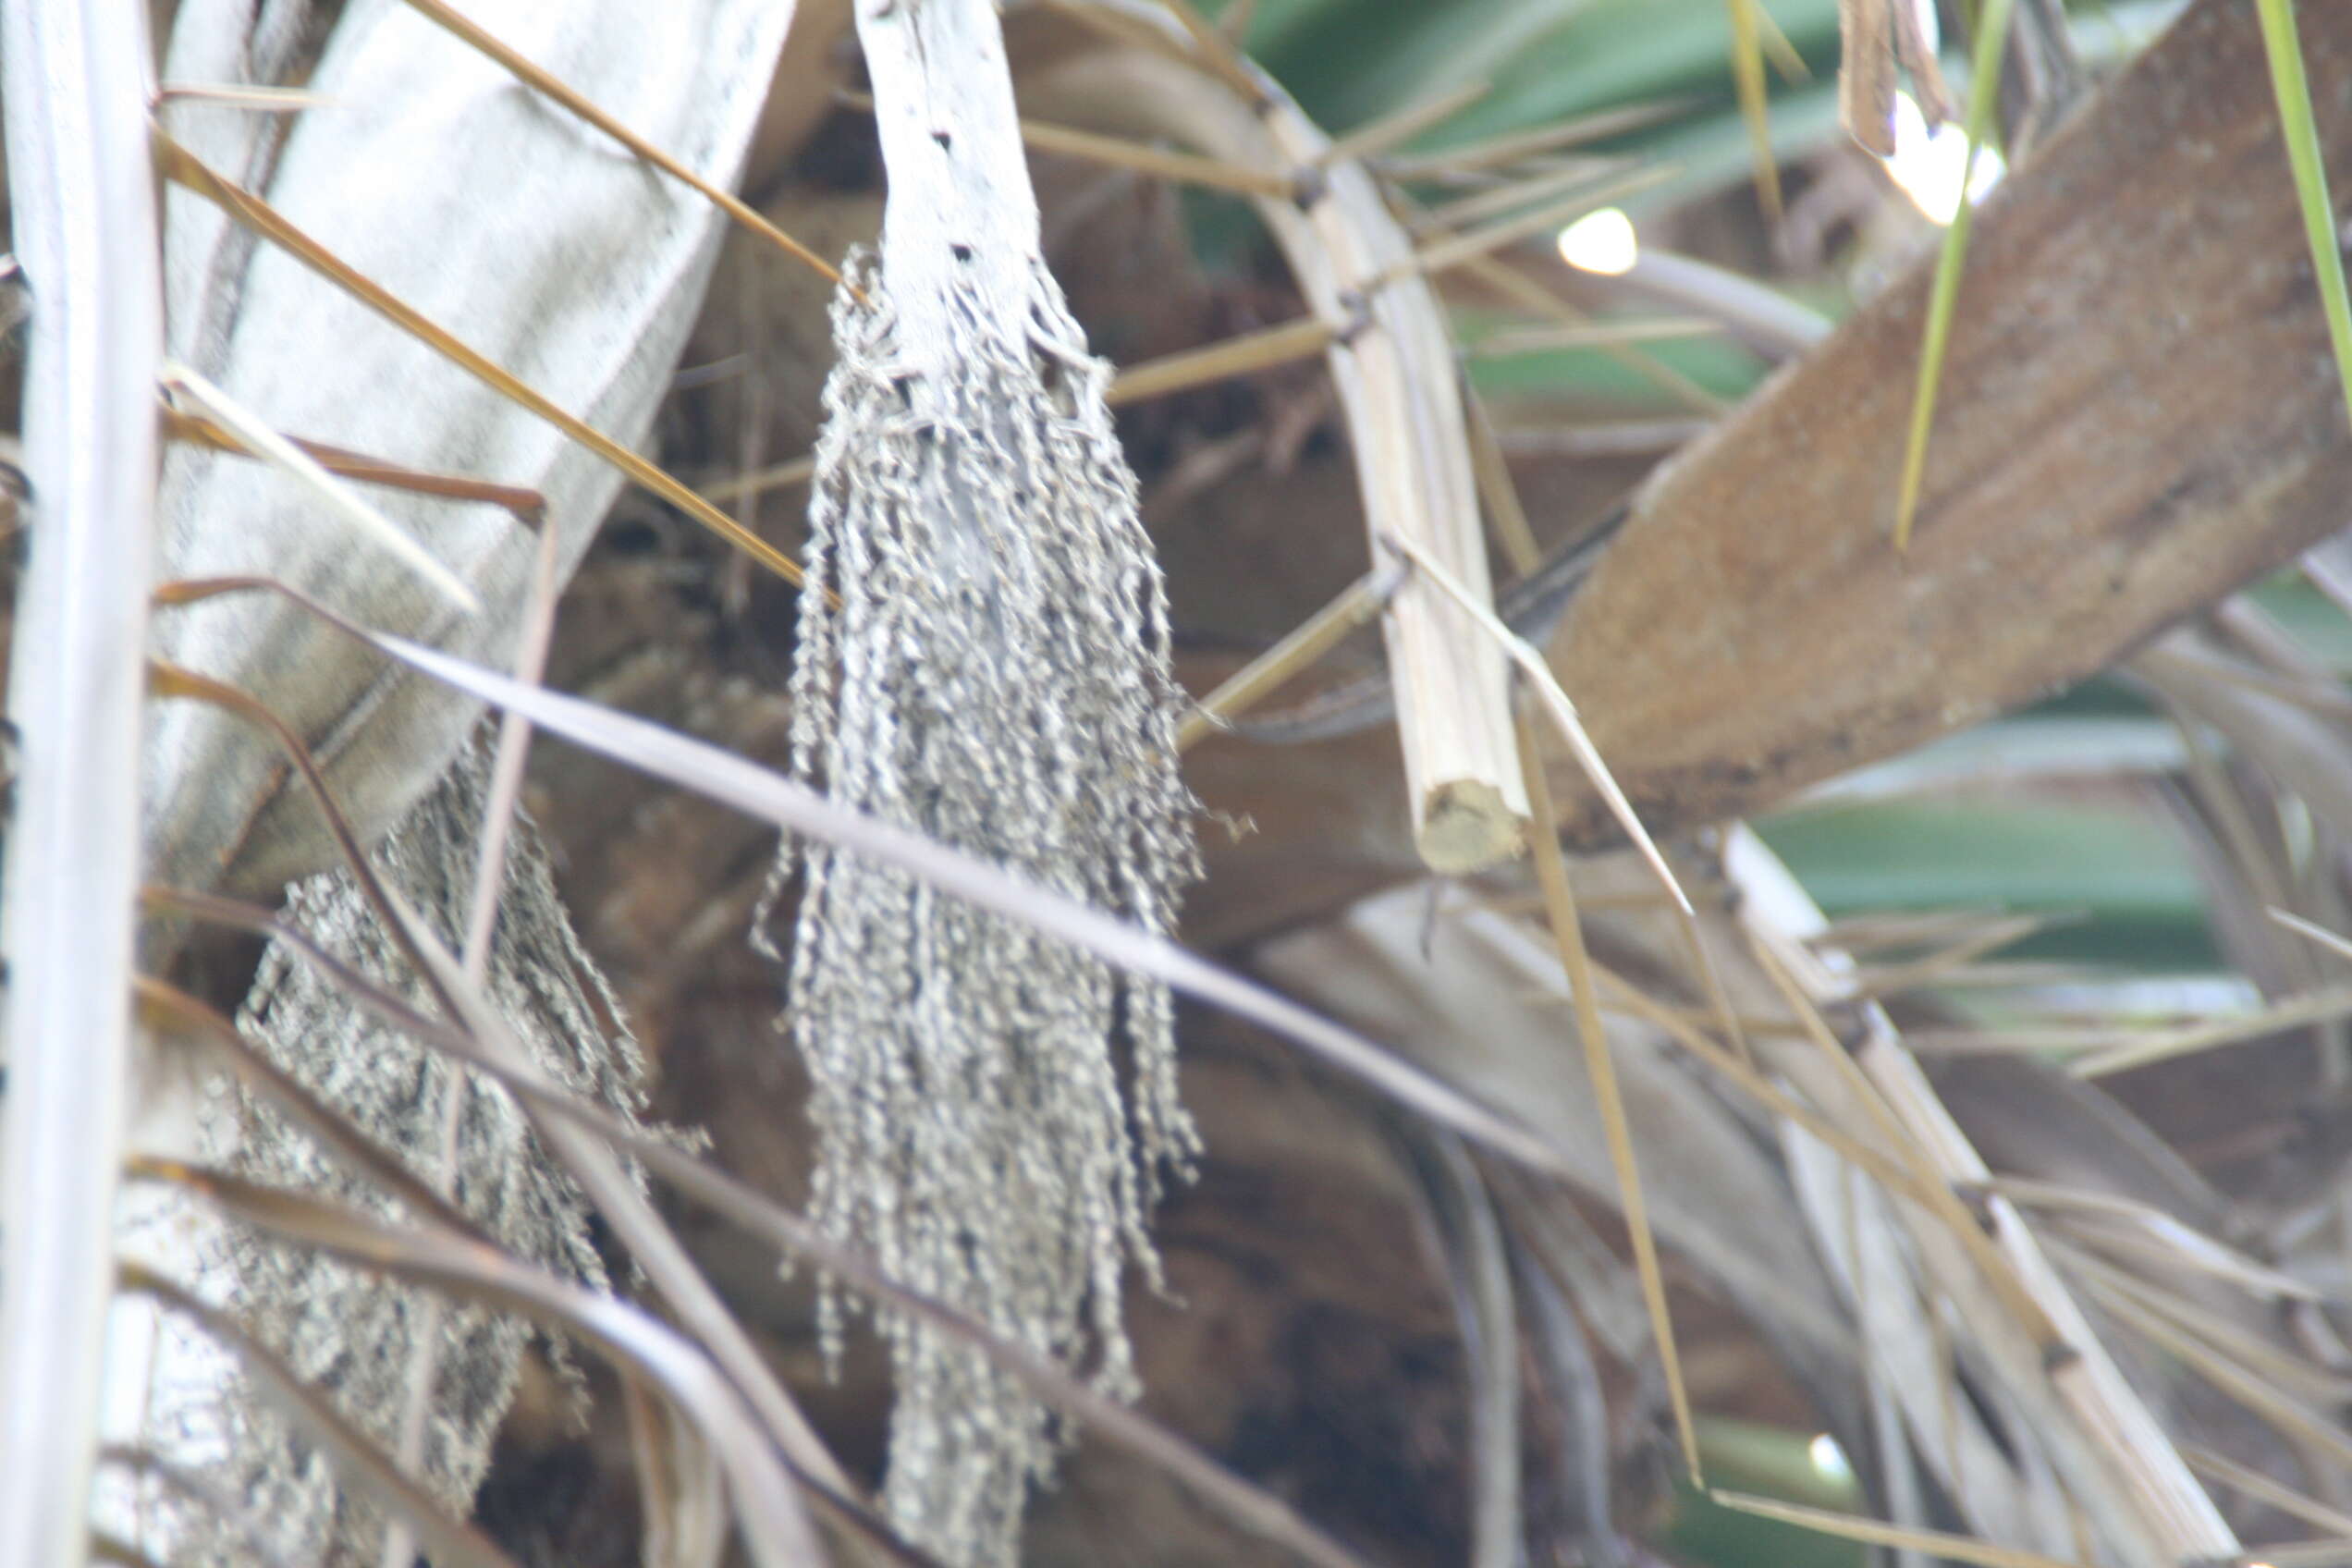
(984,656)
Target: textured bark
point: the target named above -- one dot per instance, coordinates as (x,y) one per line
(2140,413)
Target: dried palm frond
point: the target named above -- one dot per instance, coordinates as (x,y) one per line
(601,268)
(255,322)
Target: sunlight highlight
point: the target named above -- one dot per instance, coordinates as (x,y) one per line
(1930,166)
(1602,242)
(1829,1457)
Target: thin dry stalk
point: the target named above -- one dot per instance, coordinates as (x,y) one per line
(759,482)
(1567,930)
(1114,152)
(2265,1489)
(2314,689)
(2124,1225)
(259,100)
(1941,966)
(1184,167)
(1515,147)
(1215,48)
(1496,492)
(2282,1368)
(1445,254)
(1859,934)
(2317,933)
(1298,649)
(1245,355)
(1518,288)
(1943,1197)
(2031,1296)
(526,71)
(2334,1553)
(2290,1417)
(1879,1166)
(1853,1527)
(528,507)
(255,434)
(1970,1461)
(489,875)
(1449,216)
(1396,129)
(1554,339)
(185,168)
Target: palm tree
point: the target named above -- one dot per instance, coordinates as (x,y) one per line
(1596,1204)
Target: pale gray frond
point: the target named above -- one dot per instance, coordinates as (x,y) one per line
(528,235)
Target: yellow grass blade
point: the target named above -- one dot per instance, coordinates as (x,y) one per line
(2303,158)
(1778,49)
(1984,89)
(1567,930)
(1747,77)
(1300,647)
(1853,1527)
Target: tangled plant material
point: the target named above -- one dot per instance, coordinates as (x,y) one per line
(995,673)
(345,1330)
